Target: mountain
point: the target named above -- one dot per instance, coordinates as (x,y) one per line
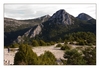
(83,16)
(47,28)
(14,28)
(14,25)
(62,23)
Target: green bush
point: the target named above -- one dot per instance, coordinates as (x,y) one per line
(58,45)
(15,45)
(48,44)
(47,59)
(35,43)
(25,56)
(65,47)
(66,42)
(90,44)
(42,43)
(74,57)
(90,56)
(52,43)
(81,42)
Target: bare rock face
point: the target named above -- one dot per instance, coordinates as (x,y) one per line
(36,31)
(31,33)
(62,17)
(27,33)
(19,39)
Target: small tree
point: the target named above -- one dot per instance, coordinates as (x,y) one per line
(58,45)
(25,56)
(81,42)
(47,59)
(65,47)
(66,42)
(35,43)
(74,57)
(15,45)
(90,56)
(52,43)
(42,43)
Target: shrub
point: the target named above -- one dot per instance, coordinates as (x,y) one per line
(25,56)
(66,42)
(90,44)
(52,43)
(90,56)
(48,44)
(65,47)
(81,42)
(58,45)
(42,43)
(74,57)
(35,43)
(15,45)
(47,59)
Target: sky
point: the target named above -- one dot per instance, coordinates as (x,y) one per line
(31,11)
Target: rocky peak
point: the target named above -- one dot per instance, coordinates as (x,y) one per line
(83,16)
(62,17)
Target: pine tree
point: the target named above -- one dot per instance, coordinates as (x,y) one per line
(42,43)
(74,57)
(35,43)
(25,56)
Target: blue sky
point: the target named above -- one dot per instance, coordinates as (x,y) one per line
(30,11)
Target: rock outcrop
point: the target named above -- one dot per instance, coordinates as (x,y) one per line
(35,31)
(31,33)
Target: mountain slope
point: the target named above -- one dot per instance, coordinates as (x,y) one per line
(14,28)
(14,25)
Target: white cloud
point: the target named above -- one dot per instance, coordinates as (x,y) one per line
(28,11)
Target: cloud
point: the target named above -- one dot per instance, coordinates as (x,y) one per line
(28,11)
